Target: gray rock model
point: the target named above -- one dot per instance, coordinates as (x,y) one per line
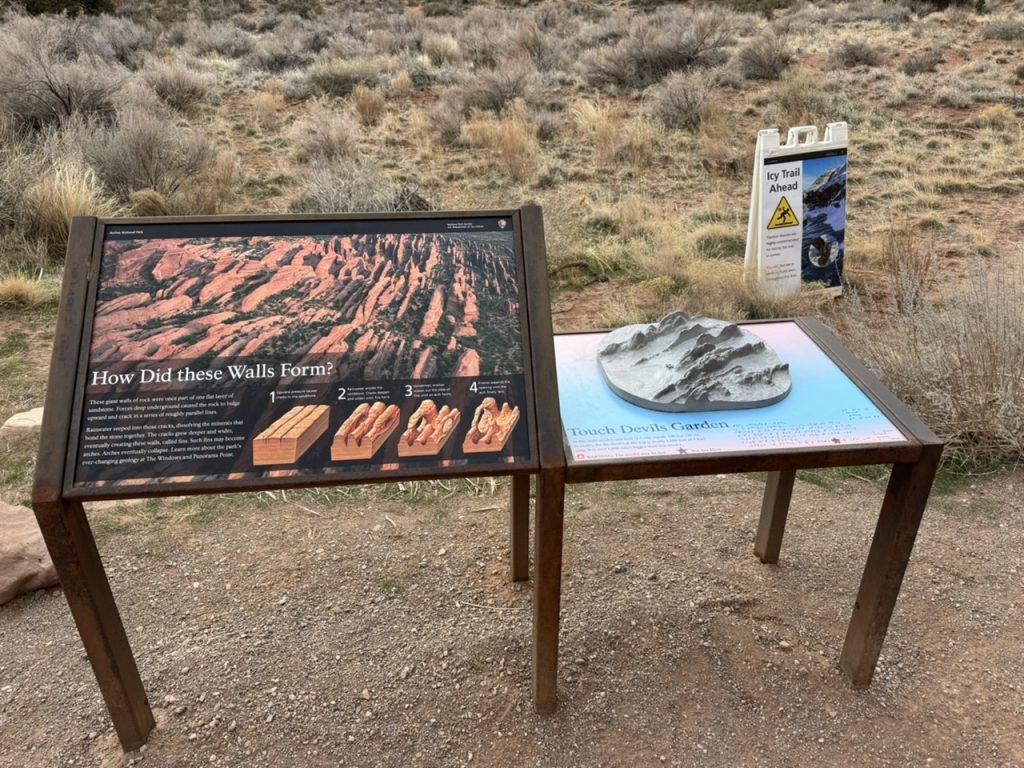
(684,363)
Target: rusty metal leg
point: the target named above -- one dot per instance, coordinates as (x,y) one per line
(774,508)
(895,533)
(547,587)
(73,550)
(519,527)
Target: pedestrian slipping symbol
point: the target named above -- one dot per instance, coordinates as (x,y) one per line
(783,216)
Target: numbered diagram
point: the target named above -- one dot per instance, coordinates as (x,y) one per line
(364,432)
(284,441)
(491,427)
(428,430)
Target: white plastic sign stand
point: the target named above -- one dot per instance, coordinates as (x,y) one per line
(797,228)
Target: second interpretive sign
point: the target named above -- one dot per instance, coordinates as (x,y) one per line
(236,350)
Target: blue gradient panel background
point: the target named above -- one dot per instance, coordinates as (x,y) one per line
(825,408)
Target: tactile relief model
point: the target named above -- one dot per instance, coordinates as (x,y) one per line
(364,432)
(491,427)
(284,441)
(428,430)
(684,363)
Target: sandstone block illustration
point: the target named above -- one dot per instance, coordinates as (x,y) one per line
(684,363)
(491,427)
(364,432)
(284,441)
(428,430)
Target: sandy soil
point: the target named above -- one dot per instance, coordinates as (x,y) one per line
(383,630)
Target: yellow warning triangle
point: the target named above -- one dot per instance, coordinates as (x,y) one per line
(783,216)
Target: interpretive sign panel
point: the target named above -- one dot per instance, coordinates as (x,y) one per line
(797,229)
(825,408)
(238,350)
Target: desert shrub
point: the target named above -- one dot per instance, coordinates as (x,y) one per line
(144,151)
(442,49)
(221,38)
(369,105)
(40,85)
(356,186)
(668,40)
(805,98)
(909,265)
(855,53)
(548,124)
(494,89)
(511,140)
(677,101)
(764,57)
(1007,29)
(958,364)
(485,36)
(339,77)
(278,52)
(325,135)
(176,84)
(446,117)
(922,62)
(119,40)
(536,43)
(70,7)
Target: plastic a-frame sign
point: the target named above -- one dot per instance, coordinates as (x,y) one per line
(797,227)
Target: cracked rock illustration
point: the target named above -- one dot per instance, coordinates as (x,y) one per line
(684,363)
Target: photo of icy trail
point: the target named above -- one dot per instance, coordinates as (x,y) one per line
(823,246)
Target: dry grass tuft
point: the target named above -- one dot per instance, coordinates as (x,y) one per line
(511,139)
(64,191)
(268,105)
(959,364)
(368,104)
(325,135)
(594,121)
(442,49)
(20,292)
(401,86)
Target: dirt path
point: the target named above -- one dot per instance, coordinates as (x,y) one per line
(381,630)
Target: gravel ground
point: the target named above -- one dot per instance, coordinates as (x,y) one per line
(381,630)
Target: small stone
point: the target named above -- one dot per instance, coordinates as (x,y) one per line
(365,694)
(618,568)
(270,718)
(442,552)
(25,422)
(232,725)
(193,736)
(406,671)
(784,645)
(202,697)
(179,710)
(169,699)
(92,735)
